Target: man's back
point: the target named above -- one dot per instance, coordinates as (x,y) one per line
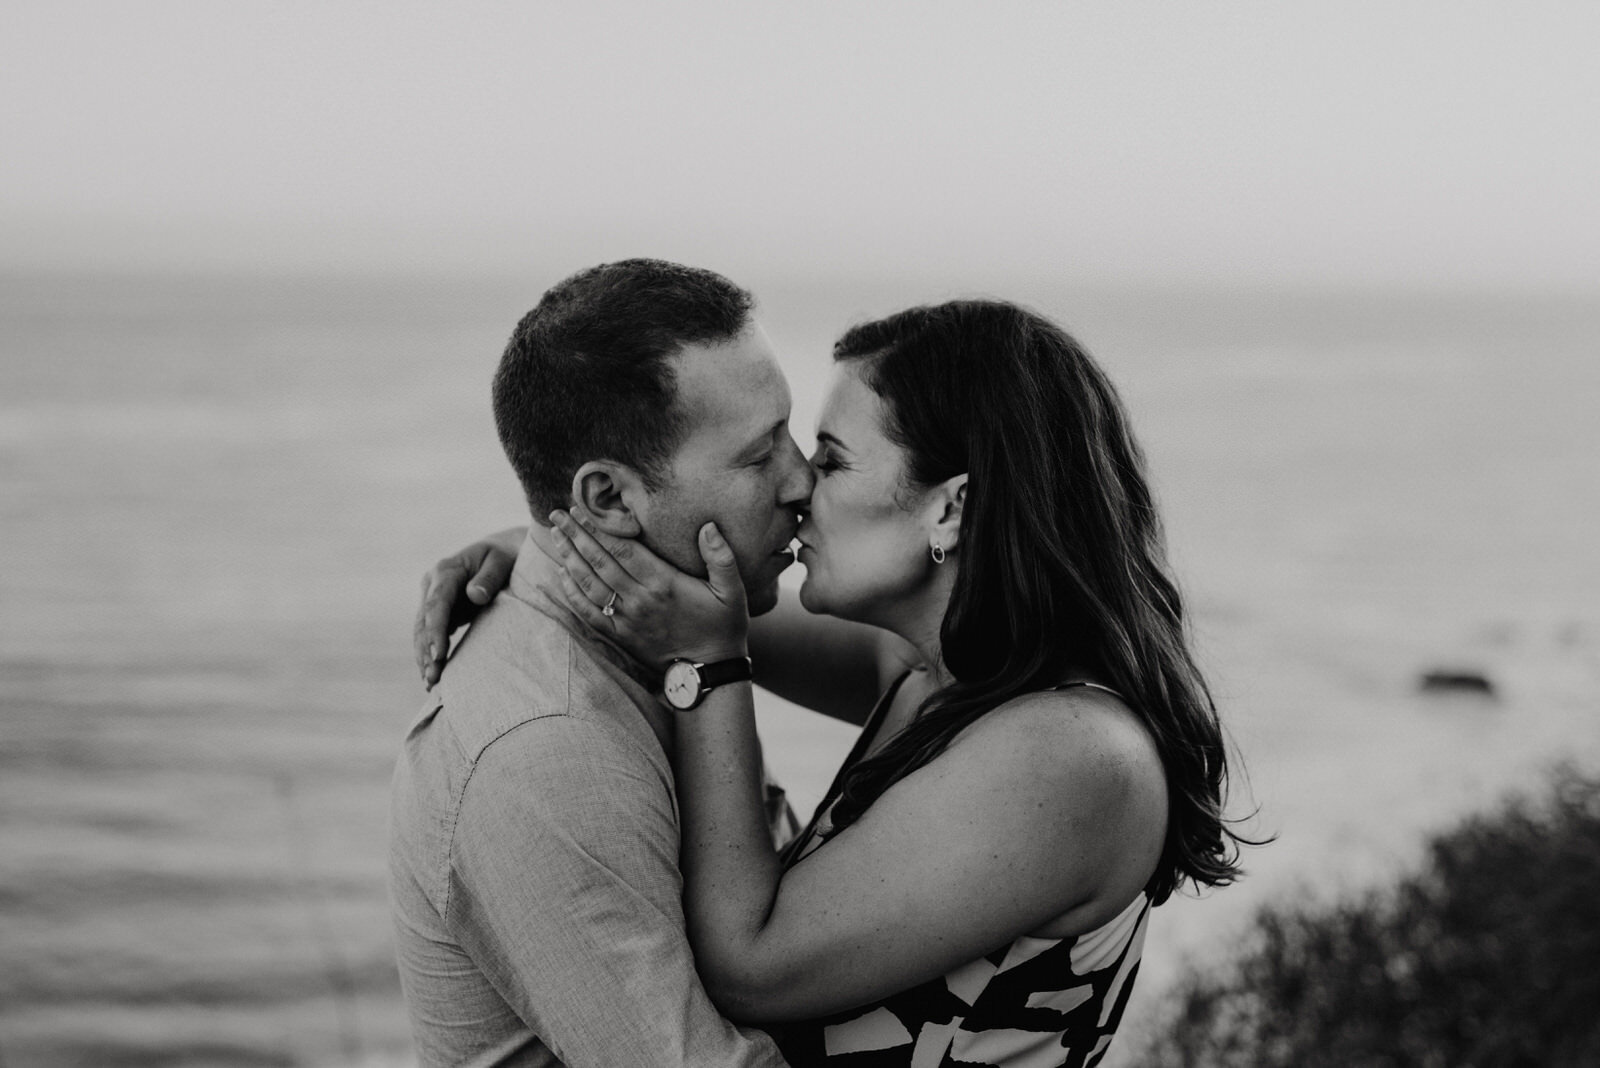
(533,860)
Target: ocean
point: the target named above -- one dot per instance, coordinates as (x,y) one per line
(217,496)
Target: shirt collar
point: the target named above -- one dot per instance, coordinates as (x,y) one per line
(536,579)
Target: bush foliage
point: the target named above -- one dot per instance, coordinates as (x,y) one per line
(1488,955)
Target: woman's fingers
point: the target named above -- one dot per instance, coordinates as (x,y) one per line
(603,552)
(668,615)
(494,574)
(577,569)
(642,565)
(453,592)
(722,569)
(430,634)
(582,604)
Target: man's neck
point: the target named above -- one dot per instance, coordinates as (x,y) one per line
(537,578)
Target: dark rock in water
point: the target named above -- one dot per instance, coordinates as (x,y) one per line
(1444,681)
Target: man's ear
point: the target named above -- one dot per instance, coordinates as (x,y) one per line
(945,502)
(610,492)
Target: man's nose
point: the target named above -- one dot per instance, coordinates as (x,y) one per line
(798,478)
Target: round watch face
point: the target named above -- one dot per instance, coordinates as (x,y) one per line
(682,684)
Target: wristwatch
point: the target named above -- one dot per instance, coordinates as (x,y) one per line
(687,683)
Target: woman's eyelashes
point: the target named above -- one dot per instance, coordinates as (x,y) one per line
(824,461)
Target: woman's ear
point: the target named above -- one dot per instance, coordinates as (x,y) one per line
(610,492)
(945,502)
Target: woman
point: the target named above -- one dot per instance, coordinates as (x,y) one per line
(1044,764)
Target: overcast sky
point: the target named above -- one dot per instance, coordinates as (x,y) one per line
(1433,144)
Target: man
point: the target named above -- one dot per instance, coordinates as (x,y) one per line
(534,843)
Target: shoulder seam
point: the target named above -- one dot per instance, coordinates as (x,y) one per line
(460,797)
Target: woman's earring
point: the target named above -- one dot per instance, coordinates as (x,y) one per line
(938,553)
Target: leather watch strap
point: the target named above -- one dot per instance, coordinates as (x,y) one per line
(722,672)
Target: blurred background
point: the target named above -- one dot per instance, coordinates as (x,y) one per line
(258,261)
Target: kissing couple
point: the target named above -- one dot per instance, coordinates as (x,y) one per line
(589,866)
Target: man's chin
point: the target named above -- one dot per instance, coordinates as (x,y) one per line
(763,599)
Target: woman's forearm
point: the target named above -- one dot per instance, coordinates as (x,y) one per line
(828,665)
(730,870)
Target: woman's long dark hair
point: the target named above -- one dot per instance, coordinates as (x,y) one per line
(1061,562)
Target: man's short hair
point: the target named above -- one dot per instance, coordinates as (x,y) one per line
(586,376)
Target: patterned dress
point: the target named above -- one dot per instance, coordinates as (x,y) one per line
(1036,1003)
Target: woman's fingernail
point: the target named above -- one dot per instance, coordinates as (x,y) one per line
(433,651)
(479,590)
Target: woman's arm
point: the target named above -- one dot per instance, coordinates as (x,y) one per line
(828,665)
(825,664)
(1045,809)
(453,591)
(1049,811)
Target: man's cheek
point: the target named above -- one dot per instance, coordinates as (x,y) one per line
(749,565)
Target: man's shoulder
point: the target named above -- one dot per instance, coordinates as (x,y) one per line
(511,666)
(517,672)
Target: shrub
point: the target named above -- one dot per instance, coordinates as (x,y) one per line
(1488,955)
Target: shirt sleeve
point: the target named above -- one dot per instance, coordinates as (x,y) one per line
(565,889)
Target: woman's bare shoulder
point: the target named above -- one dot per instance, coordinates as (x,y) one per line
(1081,736)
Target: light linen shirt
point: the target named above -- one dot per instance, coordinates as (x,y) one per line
(534,855)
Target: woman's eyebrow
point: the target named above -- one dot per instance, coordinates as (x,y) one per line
(825,438)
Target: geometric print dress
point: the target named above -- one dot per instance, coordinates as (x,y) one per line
(1036,1003)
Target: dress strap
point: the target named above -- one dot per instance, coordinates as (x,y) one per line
(1089,685)
(869,730)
